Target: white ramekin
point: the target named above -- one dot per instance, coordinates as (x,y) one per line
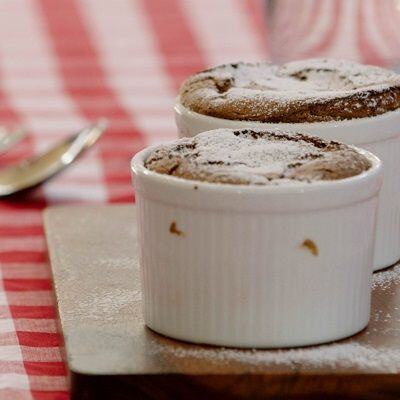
(380,135)
(228,264)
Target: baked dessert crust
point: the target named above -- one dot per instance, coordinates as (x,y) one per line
(312,90)
(255,157)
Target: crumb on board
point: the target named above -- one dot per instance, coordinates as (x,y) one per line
(310,245)
(174,229)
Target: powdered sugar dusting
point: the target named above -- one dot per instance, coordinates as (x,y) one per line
(299,91)
(104,304)
(306,79)
(340,75)
(346,355)
(257,157)
(385,279)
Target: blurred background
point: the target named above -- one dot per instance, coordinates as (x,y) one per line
(65,63)
(367,31)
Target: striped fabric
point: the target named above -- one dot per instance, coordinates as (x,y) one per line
(64,63)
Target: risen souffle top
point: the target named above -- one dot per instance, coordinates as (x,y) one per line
(300,91)
(255,157)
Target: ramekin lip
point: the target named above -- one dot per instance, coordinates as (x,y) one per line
(138,168)
(338,126)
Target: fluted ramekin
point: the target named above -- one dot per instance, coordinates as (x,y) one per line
(256,266)
(380,135)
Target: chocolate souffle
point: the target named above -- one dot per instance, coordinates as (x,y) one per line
(312,90)
(253,157)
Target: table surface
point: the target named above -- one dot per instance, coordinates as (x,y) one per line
(96,276)
(67,62)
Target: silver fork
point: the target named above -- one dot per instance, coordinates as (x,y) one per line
(35,170)
(10,139)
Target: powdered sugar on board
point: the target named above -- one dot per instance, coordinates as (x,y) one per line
(386,278)
(102,318)
(351,354)
(344,355)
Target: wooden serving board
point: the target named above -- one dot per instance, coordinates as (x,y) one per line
(112,355)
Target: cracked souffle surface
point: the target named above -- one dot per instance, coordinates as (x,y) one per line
(255,157)
(301,91)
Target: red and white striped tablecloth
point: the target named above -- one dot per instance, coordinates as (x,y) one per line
(64,63)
